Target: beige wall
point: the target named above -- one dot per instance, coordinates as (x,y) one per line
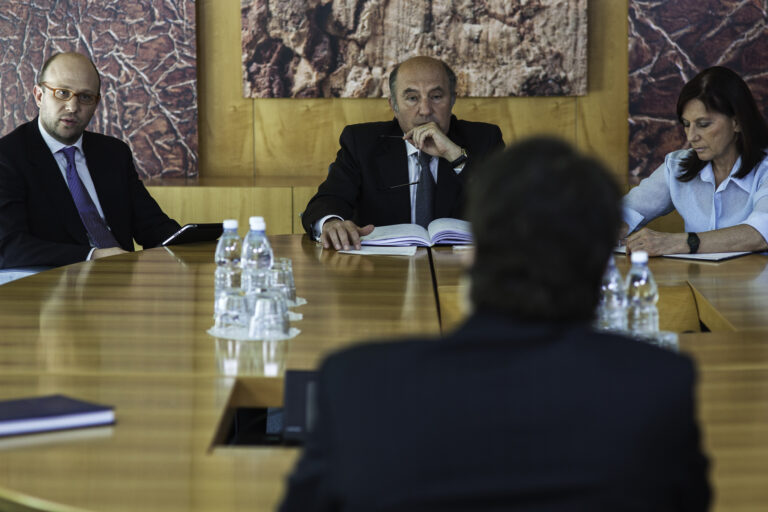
(299,137)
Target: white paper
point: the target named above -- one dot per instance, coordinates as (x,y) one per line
(383,251)
(711,256)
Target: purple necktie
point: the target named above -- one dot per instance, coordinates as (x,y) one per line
(98,231)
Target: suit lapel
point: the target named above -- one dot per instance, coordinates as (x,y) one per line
(47,175)
(391,172)
(98,167)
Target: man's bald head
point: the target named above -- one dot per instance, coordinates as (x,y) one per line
(421,62)
(67,56)
(67,95)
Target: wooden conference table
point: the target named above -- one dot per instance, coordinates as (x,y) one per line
(130,331)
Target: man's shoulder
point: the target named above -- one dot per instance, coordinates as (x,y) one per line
(476,125)
(483,135)
(363,361)
(628,363)
(102,141)
(12,141)
(373,128)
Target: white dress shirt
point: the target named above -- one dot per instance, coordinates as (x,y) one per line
(702,207)
(82,167)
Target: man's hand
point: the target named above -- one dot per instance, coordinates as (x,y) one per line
(108,251)
(343,234)
(430,139)
(656,243)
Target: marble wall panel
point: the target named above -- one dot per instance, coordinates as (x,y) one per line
(669,43)
(146,54)
(346,48)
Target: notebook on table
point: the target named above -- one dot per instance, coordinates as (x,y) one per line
(52,412)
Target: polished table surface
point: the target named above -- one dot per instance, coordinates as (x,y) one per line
(130,331)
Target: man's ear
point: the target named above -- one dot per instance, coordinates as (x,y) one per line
(392,104)
(38,92)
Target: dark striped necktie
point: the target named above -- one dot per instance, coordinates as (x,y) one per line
(425,192)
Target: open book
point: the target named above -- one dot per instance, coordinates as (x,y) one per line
(440,231)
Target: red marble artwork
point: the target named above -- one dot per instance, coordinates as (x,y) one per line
(346,48)
(146,54)
(669,43)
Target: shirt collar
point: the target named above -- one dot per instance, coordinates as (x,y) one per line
(411,149)
(708,175)
(54,145)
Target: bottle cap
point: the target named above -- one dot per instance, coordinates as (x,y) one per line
(230,224)
(257,223)
(639,257)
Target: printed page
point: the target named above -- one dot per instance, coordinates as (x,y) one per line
(450,231)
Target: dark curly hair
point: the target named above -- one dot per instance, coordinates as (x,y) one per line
(545,219)
(722,90)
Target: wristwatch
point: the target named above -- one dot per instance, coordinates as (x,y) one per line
(462,158)
(693,243)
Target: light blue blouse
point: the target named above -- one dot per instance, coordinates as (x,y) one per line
(736,200)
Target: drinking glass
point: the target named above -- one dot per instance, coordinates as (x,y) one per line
(231,310)
(281,279)
(270,316)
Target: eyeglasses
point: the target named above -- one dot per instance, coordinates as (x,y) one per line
(61,94)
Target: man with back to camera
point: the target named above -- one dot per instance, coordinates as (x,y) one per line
(67,195)
(524,407)
(376,179)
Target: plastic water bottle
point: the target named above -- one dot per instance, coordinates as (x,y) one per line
(642,295)
(227,258)
(257,257)
(612,308)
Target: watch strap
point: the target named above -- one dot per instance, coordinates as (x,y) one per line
(462,159)
(693,243)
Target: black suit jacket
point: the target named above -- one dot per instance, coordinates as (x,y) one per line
(39,223)
(362,184)
(504,416)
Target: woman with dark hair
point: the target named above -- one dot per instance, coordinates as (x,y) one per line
(719,186)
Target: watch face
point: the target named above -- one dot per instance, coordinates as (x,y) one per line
(693,242)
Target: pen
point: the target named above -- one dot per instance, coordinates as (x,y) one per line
(404,185)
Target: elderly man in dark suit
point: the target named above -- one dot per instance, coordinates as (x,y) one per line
(411,169)
(524,407)
(68,195)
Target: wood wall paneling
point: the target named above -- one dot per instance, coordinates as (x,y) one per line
(214,204)
(601,123)
(225,117)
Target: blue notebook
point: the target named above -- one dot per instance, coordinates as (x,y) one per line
(54,412)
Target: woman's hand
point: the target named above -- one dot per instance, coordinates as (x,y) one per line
(656,243)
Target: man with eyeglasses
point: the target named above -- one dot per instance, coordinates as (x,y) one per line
(409,170)
(67,195)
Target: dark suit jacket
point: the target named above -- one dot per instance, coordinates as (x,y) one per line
(359,183)
(39,223)
(504,416)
